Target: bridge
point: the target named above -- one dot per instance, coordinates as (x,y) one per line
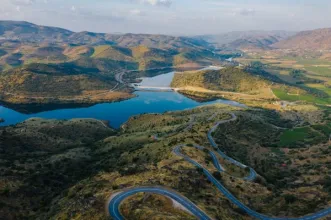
(154,88)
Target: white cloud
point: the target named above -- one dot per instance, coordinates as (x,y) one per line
(22,2)
(73,8)
(247,12)
(153,16)
(166,3)
(137,12)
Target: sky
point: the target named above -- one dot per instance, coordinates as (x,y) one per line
(173,17)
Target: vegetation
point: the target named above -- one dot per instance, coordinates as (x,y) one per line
(227,79)
(300,137)
(68,169)
(40,159)
(297,74)
(53,65)
(41,83)
(54,169)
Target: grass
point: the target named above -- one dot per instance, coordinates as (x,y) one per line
(295,135)
(284,95)
(310,61)
(321,87)
(299,137)
(152,206)
(325,129)
(320,70)
(283,74)
(100,49)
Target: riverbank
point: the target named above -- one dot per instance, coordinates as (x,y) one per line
(88,97)
(116,112)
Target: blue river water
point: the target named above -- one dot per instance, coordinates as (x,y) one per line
(116,113)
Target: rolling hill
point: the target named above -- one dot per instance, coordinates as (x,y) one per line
(24,43)
(39,62)
(59,169)
(241,40)
(28,32)
(227,79)
(58,83)
(319,39)
(25,31)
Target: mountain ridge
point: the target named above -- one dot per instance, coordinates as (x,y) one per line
(255,39)
(318,39)
(29,32)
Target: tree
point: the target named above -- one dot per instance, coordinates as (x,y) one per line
(289,198)
(217,175)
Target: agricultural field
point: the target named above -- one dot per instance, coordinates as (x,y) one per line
(282,94)
(301,136)
(315,73)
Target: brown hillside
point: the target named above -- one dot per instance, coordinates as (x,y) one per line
(319,39)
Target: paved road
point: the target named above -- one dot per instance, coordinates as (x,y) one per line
(252,173)
(116,200)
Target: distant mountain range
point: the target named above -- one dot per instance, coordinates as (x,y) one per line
(28,32)
(40,62)
(46,64)
(239,40)
(24,43)
(319,39)
(242,40)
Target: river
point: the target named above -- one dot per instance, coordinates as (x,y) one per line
(116,113)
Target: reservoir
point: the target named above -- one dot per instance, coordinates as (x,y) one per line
(116,113)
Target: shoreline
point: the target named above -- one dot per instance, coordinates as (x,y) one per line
(59,101)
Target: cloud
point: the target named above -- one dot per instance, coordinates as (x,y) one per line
(242,12)
(22,2)
(247,12)
(137,12)
(166,3)
(73,8)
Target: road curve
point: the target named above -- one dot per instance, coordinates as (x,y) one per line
(115,202)
(252,174)
(238,203)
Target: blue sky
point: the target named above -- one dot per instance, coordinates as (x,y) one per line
(176,17)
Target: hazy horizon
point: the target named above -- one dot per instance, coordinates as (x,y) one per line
(170,17)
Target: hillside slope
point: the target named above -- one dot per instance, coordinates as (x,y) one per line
(25,31)
(242,40)
(28,32)
(227,79)
(45,64)
(54,169)
(319,39)
(41,83)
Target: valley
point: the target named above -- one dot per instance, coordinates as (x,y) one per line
(150,126)
(153,162)
(40,68)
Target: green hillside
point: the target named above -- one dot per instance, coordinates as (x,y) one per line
(227,79)
(57,169)
(50,80)
(38,62)
(50,83)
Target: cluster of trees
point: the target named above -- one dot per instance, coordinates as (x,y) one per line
(301,75)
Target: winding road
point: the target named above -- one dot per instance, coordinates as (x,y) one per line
(115,201)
